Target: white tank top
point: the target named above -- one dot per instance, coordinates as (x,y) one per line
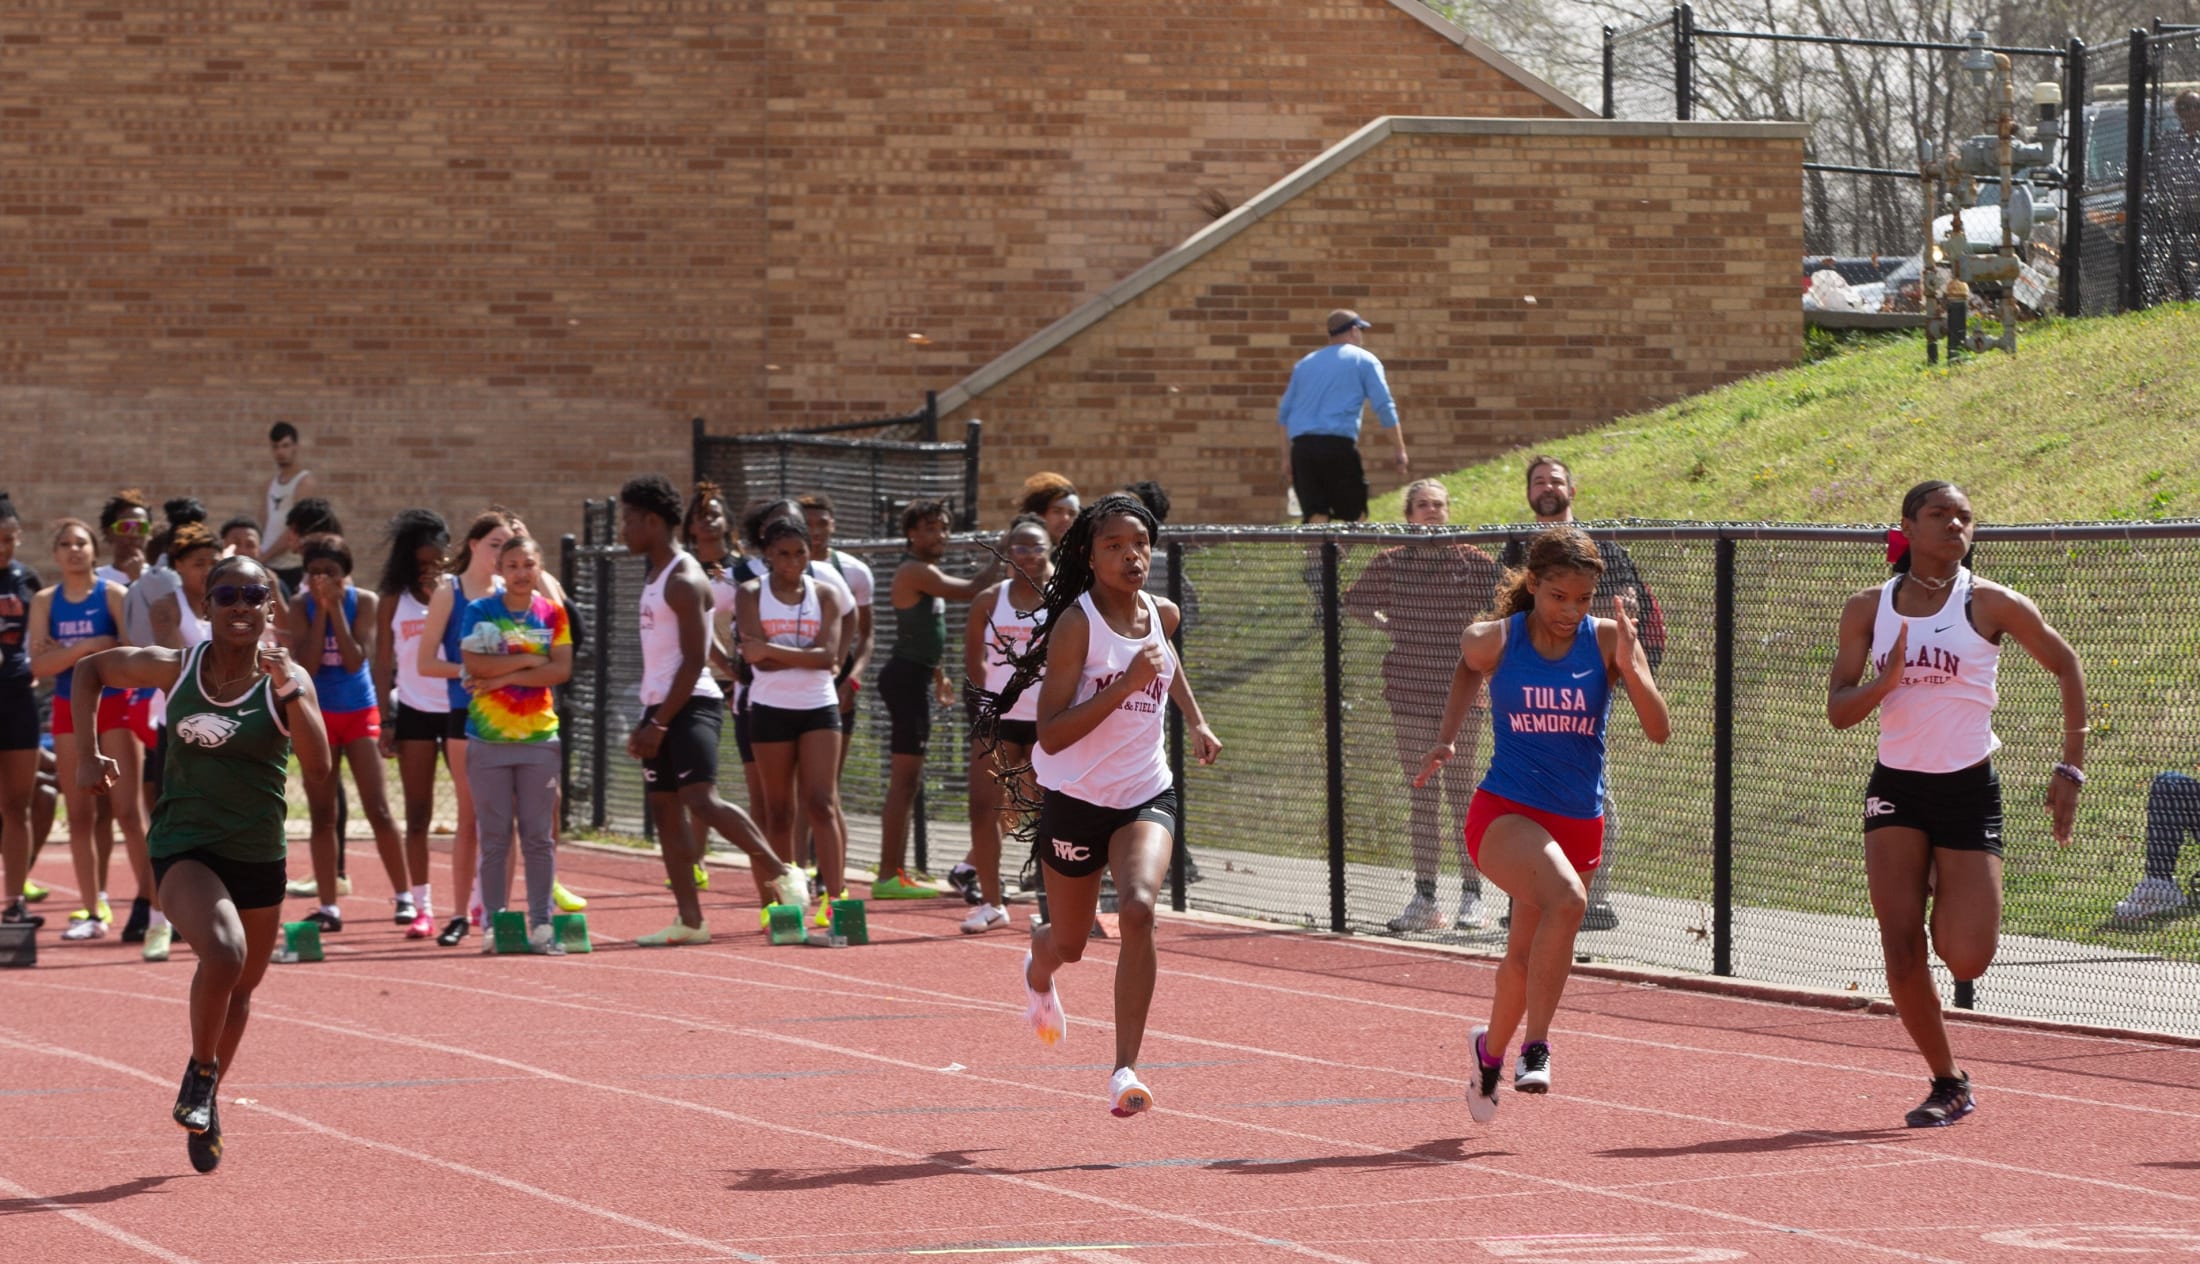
(279,494)
(1941,718)
(416,692)
(1124,761)
(191,630)
(795,626)
(661,642)
(1009,631)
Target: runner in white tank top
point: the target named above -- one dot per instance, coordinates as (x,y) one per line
(660,632)
(418,724)
(1110,802)
(1001,626)
(1924,651)
(792,625)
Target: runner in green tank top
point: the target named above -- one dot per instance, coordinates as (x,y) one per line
(236,711)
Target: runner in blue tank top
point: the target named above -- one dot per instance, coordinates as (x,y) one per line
(1536,825)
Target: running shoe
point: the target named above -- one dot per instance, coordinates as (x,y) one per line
(194,1109)
(35,893)
(309,885)
(1473,914)
(1482,1089)
(674,936)
(544,942)
(964,880)
(330,923)
(19,914)
(422,927)
(141,916)
(792,887)
(824,915)
(702,879)
(1600,916)
(1044,1009)
(98,912)
(899,887)
(453,932)
(205,1148)
(1126,1096)
(405,913)
(566,901)
(1420,914)
(984,918)
(157,939)
(1949,1101)
(1533,1075)
(88,928)
(2151,898)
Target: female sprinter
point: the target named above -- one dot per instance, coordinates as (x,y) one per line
(1002,621)
(237,710)
(1102,759)
(418,721)
(472,573)
(1932,809)
(75,618)
(1535,826)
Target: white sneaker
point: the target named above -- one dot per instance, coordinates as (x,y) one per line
(1126,1096)
(1482,1089)
(793,887)
(1473,915)
(1533,1075)
(89,928)
(2152,897)
(984,918)
(543,942)
(1421,914)
(1044,1009)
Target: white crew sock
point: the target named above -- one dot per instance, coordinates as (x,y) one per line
(332,910)
(159,918)
(420,900)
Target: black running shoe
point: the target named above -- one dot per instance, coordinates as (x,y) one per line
(141,916)
(453,931)
(195,1100)
(1949,1101)
(206,1147)
(964,879)
(330,923)
(1533,1075)
(404,913)
(19,914)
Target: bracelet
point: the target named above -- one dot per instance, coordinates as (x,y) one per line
(2071,773)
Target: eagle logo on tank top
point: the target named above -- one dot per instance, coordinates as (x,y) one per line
(208,728)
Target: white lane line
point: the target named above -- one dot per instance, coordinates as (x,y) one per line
(95,1224)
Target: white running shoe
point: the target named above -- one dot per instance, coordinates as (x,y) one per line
(2151,898)
(1533,1075)
(1044,1009)
(984,918)
(543,942)
(89,928)
(1473,915)
(793,887)
(1126,1096)
(1482,1089)
(1421,914)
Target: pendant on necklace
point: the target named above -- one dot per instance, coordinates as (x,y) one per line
(1935,584)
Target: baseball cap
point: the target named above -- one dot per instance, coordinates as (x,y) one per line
(1345,318)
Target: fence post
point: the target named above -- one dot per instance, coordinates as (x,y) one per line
(696,458)
(601,729)
(931,416)
(2074,139)
(566,569)
(1333,724)
(970,474)
(1684,63)
(1608,107)
(2129,296)
(1722,759)
(1177,855)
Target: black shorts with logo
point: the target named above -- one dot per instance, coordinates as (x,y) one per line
(253,884)
(688,755)
(415,725)
(1074,834)
(1327,474)
(782,724)
(1960,811)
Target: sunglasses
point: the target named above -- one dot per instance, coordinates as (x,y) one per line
(227,595)
(130,526)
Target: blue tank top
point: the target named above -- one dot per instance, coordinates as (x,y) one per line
(341,691)
(461,700)
(1548,722)
(73,621)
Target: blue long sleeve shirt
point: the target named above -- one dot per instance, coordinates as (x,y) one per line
(1327,389)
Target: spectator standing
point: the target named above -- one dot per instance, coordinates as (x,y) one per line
(1320,415)
(289,485)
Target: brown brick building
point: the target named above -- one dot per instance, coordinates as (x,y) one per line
(507,249)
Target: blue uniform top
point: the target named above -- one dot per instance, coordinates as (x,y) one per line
(1548,719)
(461,699)
(1327,389)
(74,621)
(340,691)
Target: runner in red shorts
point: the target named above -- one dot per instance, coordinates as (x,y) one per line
(1536,826)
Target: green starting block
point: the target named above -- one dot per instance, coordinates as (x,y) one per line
(301,942)
(784,923)
(508,933)
(571,930)
(848,924)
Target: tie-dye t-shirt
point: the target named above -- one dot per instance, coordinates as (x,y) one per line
(516,713)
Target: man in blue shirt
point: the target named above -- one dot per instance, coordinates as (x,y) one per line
(1320,415)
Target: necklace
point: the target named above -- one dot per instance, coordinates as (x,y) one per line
(1935,584)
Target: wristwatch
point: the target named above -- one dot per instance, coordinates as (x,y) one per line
(297,686)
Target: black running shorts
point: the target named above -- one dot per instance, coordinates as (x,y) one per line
(253,884)
(1074,834)
(780,724)
(1960,811)
(18,718)
(1327,474)
(905,685)
(1024,733)
(156,759)
(688,755)
(415,725)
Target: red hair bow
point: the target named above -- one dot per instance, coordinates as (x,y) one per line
(1898,546)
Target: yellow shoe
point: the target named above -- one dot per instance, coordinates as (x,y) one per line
(156,941)
(566,901)
(702,879)
(101,914)
(675,935)
(825,908)
(33,893)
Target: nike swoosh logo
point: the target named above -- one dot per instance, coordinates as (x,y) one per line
(1579,674)
(1944,628)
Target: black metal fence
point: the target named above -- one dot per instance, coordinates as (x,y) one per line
(1321,656)
(870,479)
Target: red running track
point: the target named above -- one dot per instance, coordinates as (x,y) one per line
(407,1102)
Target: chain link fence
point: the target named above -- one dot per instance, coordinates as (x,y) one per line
(1321,658)
(870,480)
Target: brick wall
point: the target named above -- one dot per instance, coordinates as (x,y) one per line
(507,249)
(1660,258)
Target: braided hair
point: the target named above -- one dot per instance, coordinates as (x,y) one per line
(409,532)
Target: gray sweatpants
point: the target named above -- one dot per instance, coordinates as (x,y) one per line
(515,781)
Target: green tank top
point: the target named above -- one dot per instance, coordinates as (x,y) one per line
(223,791)
(920,631)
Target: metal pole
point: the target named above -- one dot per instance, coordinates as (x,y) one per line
(696,455)
(970,474)
(600,733)
(1176,728)
(2129,296)
(1608,108)
(1684,63)
(1722,760)
(916,820)
(1333,723)
(566,564)
(2072,278)
(931,417)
